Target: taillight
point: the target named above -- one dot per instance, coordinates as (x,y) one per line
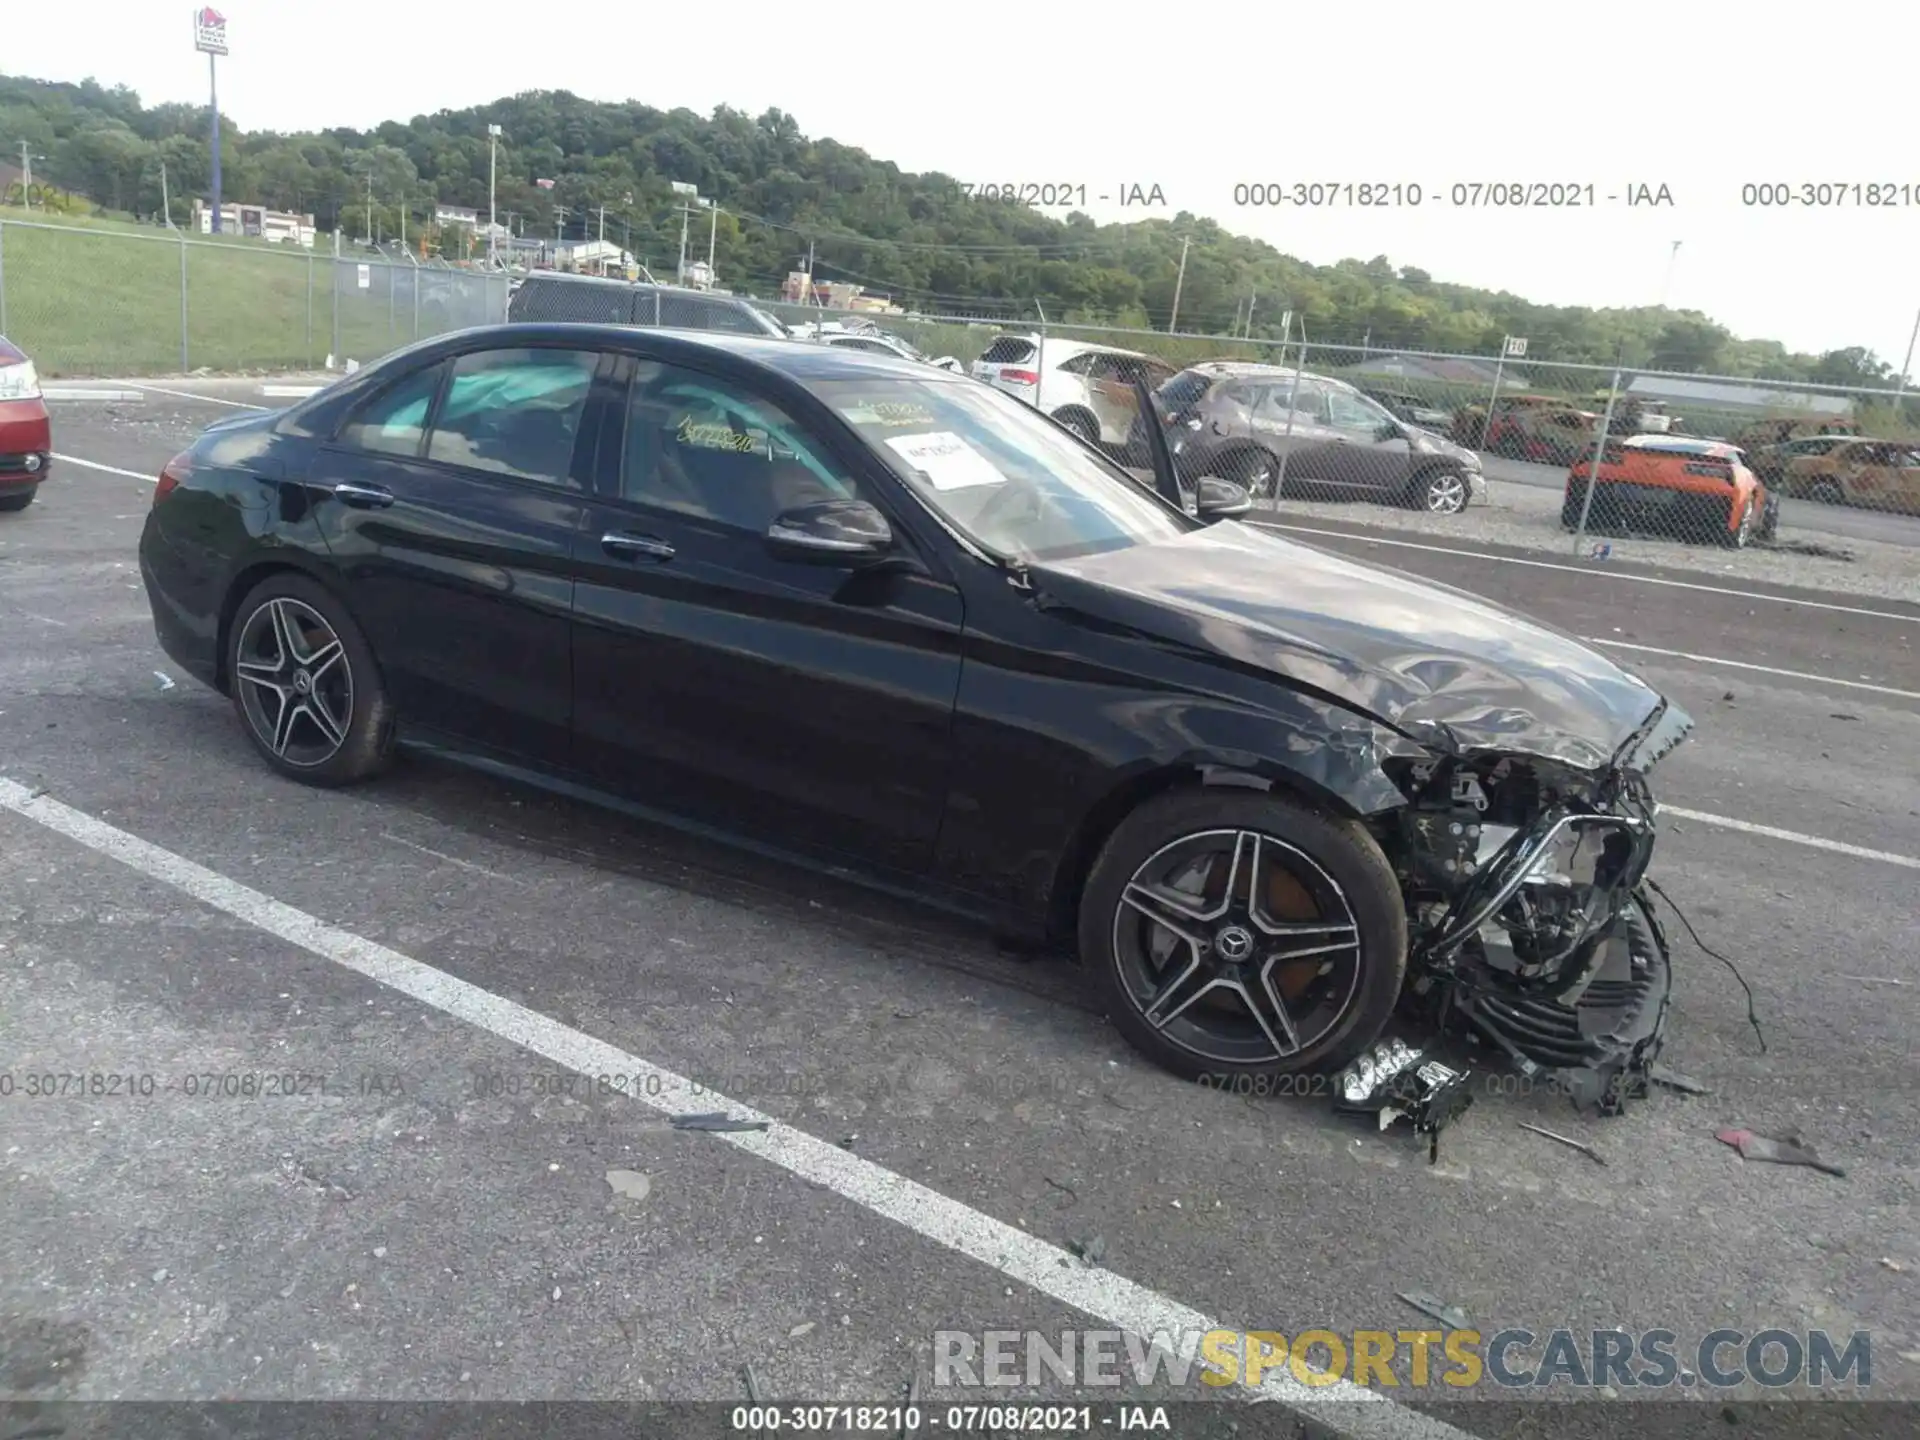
(1021,377)
(175,470)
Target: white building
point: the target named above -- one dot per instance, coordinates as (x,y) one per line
(255,221)
(1721,396)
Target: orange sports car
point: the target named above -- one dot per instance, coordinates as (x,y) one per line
(1697,491)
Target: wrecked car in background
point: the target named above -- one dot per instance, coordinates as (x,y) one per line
(882,619)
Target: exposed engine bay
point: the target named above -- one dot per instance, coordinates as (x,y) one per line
(1530,929)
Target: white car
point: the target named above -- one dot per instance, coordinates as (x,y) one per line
(1087,388)
(878,342)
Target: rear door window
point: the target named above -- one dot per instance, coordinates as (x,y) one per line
(1183,390)
(394,422)
(514,412)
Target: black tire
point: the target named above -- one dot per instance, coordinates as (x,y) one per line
(1738,537)
(1352,986)
(279,635)
(1081,424)
(13,500)
(1827,492)
(1439,492)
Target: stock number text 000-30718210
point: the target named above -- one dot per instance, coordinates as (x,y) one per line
(1462,195)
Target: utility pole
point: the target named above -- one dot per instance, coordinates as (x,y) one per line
(1906,368)
(713,234)
(369,202)
(812,289)
(1666,285)
(685,211)
(26,175)
(493,172)
(166,204)
(1179,281)
(1250,302)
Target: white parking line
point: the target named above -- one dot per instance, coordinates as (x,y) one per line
(110,469)
(291,392)
(1020,1256)
(80,392)
(1764,669)
(209,399)
(1793,837)
(1591,571)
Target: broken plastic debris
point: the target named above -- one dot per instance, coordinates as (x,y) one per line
(718,1121)
(1568,1141)
(1788,1149)
(166,680)
(1092,1251)
(629,1184)
(1601,551)
(1451,1316)
(1674,1080)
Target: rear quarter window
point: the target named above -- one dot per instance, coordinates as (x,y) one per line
(1007,350)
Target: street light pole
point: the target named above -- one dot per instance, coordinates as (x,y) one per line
(493,168)
(1906,368)
(1180,280)
(1666,286)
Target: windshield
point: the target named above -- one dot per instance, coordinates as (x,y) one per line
(997,471)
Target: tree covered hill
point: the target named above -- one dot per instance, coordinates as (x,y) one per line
(781,195)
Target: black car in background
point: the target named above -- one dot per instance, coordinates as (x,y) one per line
(1236,420)
(594,299)
(880,618)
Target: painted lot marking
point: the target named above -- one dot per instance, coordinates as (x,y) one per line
(190,395)
(1585,570)
(1792,837)
(110,469)
(75,392)
(1763,669)
(291,392)
(1097,1292)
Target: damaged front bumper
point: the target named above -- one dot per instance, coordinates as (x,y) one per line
(1532,933)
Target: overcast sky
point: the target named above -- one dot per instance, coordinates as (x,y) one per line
(1701,97)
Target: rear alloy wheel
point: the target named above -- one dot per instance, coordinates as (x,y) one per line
(1827,492)
(1440,492)
(1254,471)
(306,686)
(1080,425)
(1232,933)
(17,499)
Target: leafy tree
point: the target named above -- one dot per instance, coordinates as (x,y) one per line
(783,196)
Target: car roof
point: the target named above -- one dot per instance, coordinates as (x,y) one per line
(1246,369)
(1068,348)
(768,353)
(1682,445)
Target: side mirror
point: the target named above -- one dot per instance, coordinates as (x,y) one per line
(1215,499)
(831,532)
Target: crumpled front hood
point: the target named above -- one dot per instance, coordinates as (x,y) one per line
(1454,671)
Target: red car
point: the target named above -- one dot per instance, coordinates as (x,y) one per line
(26,437)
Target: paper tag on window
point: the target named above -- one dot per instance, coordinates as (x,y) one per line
(947,461)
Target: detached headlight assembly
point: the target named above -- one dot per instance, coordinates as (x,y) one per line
(19,382)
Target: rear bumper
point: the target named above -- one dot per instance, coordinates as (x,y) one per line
(26,443)
(1652,509)
(186,625)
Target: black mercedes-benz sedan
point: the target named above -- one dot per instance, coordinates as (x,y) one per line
(886,620)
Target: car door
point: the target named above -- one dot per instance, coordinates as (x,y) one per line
(1373,454)
(1291,419)
(450,502)
(806,704)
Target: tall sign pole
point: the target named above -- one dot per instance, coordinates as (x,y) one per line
(210,38)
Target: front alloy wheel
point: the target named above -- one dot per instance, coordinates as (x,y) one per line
(1253,471)
(1441,492)
(305,684)
(1232,933)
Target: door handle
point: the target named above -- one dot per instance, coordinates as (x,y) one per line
(636,546)
(364,497)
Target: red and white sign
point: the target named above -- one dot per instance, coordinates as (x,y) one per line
(209,31)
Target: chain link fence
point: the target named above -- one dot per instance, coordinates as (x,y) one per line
(99,302)
(1698,460)
(1702,460)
